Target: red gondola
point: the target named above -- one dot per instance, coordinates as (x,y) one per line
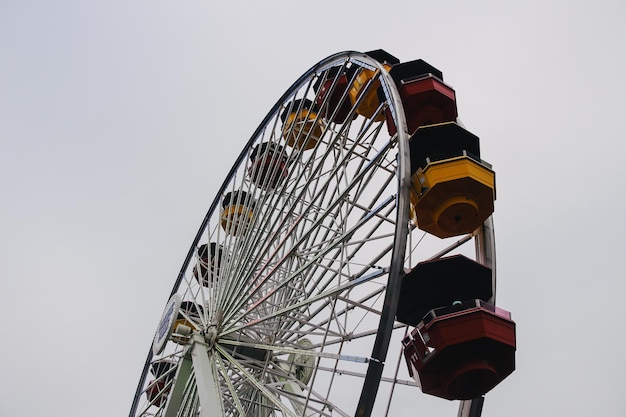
(237,212)
(159,388)
(425,97)
(209,261)
(462,351)
(332,97)
(157,392)
(268,165)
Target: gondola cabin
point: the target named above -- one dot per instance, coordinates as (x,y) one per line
(426,99)
(302,127)
(208,263)
(237,212)
(187,321)
(462,351)
(365,85)
(453,190)
(331,95)
(163,369)
(158,389)
(439,282)
(268,165)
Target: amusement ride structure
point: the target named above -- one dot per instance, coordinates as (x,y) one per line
(349,256)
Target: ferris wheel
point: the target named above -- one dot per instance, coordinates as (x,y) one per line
(337,258)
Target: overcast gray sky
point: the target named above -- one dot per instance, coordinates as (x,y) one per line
(120,119)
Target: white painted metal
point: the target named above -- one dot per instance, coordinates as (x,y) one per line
(203,368)
(176,397)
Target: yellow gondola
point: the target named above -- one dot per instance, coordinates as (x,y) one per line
(370,102)
(187,320)
(237,212)
(302,128)
(453,190)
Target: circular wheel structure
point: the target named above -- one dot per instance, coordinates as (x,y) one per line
(285,304)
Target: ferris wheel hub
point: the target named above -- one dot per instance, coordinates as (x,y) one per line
(210,336)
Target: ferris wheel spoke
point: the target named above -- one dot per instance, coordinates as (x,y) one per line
(331,233)
(367,211)
(296,273)
(368,238)
(286,349)
(361,375)
(351,305)
(302,304)
(236,403)
(252,380)
(355,336)
(297,304)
